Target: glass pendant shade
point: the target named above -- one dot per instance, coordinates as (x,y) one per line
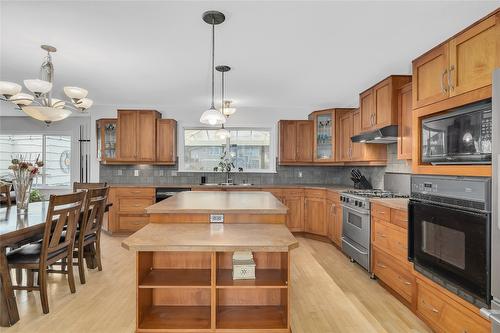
(38,86)
(57,103)
(84,103)
(46,113)
(75,92)
(222,133)
(9,88)
(212,117)
(229,111)
(21,99)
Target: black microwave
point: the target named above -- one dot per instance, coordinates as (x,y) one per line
(459,136)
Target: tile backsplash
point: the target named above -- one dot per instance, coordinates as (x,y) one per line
(314,175)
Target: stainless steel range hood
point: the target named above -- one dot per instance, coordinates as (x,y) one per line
(385,135)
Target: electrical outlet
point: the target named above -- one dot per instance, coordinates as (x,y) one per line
(119,172)
(161,173)
(300,174)
(174,173)
(136,173)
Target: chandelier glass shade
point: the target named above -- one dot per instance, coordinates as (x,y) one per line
(228,110)
(222,133)
(212,117)
(41,105)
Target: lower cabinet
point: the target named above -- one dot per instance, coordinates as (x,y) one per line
(445,314)
(314,215)
(334,218)
(127,213)
(295,216)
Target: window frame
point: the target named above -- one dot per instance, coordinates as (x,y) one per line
(272,147)
(69,134)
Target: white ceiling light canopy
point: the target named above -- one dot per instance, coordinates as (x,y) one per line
(42,106)
(213,117)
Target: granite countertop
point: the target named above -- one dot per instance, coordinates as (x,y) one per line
(394,203)
(211,237)
(334,187)
(236,202)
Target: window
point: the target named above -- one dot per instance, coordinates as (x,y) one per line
(54,150)
(250,148)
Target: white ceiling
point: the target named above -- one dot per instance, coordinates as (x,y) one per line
(284,54)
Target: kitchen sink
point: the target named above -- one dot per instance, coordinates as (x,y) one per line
(227,184)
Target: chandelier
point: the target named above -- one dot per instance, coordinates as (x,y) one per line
(212,116)
(41,105)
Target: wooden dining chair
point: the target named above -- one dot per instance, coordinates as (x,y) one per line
(5,193)
(85,186)
(90,228)
(58,242)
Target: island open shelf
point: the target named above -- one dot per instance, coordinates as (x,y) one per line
(191,289)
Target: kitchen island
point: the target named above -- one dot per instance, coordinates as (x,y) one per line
(185,284)
(227,207)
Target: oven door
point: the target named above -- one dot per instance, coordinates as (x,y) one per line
(356,225)
(453,244)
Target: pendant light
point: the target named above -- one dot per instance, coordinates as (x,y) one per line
(222,133)
(212,116)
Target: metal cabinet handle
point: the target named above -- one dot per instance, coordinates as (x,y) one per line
(433,309)
(381,266)
(381,235)
(451,87)
(443,88)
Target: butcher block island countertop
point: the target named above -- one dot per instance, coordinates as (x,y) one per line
(232,207)
(185,283)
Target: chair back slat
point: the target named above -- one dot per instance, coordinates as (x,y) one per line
(86,186)
(95,205)
(63,211)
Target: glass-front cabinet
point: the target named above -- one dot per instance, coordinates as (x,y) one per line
(324,135)
(106,140)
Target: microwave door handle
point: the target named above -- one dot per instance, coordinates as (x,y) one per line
(411,223)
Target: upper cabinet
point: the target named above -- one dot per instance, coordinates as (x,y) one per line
(405,123)
(166,141)
(296,141)
(378,105)
(106,140)
(458,66)
(137,136)
(324,135)
(345,125)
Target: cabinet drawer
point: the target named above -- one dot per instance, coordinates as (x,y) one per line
(311,193)
(390,239)
(135,192)
(132,223)
(333,195)
(456,321)
(295,192)
(399,218)
(134,205)
(429,305)
(390,272)
(381,212)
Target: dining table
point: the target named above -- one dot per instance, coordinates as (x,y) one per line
(17,229)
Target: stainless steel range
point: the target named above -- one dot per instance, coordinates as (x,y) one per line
(356,222)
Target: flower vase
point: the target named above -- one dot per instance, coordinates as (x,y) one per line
(22,188)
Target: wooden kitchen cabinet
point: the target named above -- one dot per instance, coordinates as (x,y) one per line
(137,135)
(296,141)
(378,105)
(334,217)
(357,149)
(324,135)
(405,122)
(106,140)
(346,128)
(460,65)
(314,213)
(166,141)
(295,215)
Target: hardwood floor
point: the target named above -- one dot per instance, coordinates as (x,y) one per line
(329,294)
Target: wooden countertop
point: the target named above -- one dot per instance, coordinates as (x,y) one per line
(394,203)
(240,202)
(332,187)
(211,237)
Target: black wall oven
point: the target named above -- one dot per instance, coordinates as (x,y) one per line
(460,136)
(449,233)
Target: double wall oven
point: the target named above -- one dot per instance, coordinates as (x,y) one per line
(449,233)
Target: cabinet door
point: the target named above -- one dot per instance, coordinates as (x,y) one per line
(315,216)
(324,136)
(304,143)
(288,140)
(382,93)
(295,215)
(405,123)
(333,221)
(338,223)
(430,77)
(367,108)
(127,135)
(473,57)
(166,145)
(346,127)
(146,136)
(357,148)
